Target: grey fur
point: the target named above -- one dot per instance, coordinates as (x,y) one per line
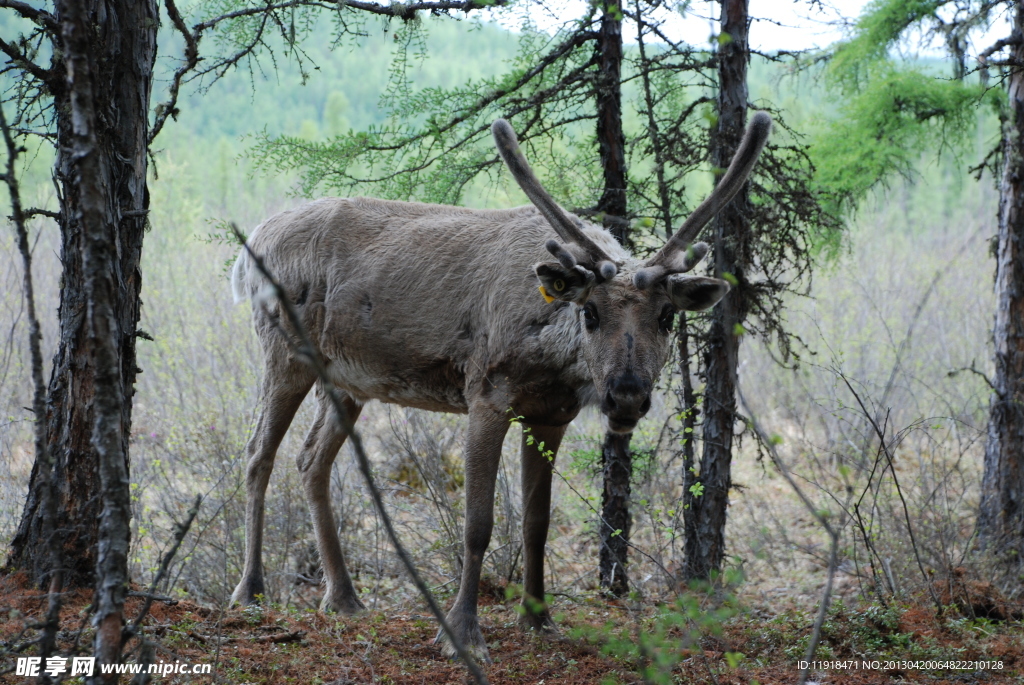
(437,307)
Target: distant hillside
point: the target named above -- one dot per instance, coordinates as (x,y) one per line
(348,82)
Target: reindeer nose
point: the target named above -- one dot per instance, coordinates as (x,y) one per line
(628,398)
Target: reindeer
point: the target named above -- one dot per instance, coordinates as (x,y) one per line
(437,307)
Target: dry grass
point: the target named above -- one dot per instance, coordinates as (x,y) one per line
(271,646)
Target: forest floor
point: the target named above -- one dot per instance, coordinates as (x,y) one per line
(755,645)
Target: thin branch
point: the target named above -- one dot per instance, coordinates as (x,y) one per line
(40,17)
(21,61)
(396,10)
(170,107)
(48,502)
(266,12)
(997,46)
(833,531)
(180,531)
(308,352)
(35,211)
(892,469)
(977,372)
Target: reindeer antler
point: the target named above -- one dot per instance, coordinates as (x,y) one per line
(664,262)
(565,225)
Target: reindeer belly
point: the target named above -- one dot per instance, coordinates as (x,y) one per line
(435,387)
(391,371)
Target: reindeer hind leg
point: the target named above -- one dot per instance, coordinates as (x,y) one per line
(325,438)
(283,389)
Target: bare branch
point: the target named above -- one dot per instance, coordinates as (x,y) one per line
(40,17)
(35,211)
(397,10)
(266,12)
(997,46)
(48,502)
(821,517)
(892,469)
(24,63)
(170,107)
(978,372)
(180,531)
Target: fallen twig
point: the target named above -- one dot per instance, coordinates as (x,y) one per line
(276,638)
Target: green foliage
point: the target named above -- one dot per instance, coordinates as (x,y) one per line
(886,125)
(432,141)
(657,644)
(891,110)
(879,27)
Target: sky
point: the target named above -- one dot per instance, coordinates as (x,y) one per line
(778,24)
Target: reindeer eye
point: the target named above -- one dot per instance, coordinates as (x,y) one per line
(558,285)
(590,316)
(667,318)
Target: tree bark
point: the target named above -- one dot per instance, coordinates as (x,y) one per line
(616,472)
(704,542)
(616,459)
(610,139)
(102,126)
(1001,519)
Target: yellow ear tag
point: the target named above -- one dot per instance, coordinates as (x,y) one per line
(544,294)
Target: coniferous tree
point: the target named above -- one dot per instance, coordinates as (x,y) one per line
(895,108)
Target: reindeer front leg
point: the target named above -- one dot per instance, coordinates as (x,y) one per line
(487,430)
(540,443)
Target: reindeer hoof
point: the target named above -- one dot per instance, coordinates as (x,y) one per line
(346,606)
(249,591)
(467,630)
(538,623)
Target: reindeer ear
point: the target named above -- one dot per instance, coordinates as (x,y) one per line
(695,293)
(559,283)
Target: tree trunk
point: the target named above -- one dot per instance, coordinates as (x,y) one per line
(103,206)
(610,139)
(617,469)
(705,530)
(616,459)
(687,405)
(1001,519)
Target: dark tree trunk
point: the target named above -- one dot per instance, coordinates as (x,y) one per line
(616,459)
(687,401)
(616,472)
(1002,507)
(610,139)
(705,527)
(102,125)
